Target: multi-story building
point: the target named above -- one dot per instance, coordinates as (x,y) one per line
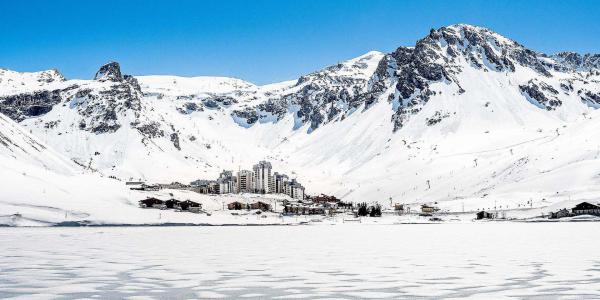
(263,182)
(280,181)
(294,189)
(227,183)
(245,180)
(205,186)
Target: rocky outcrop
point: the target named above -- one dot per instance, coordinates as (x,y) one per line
(590,98)
(21,106)
(571,61)
(150,130)
(439,57)
(541,94)
(109,72)
(320,97)
(98,105)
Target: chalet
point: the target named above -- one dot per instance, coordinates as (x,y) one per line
(324,199)
(236,205)
(585,208)
(484,215)
(173,185)
(173,203)
(303,210)
(260,205)
(146,187)
(152,203)
(185,205)
(427,209)
(560,214)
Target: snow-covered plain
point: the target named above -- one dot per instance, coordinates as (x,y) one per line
(454,261)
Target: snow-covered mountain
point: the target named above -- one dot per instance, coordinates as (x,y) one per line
(465,117)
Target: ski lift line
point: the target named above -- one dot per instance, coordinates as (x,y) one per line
(497,149)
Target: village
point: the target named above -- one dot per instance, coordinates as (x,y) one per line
(263,191)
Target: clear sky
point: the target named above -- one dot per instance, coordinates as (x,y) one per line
(262,41)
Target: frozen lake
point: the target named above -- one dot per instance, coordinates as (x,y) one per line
(489,260)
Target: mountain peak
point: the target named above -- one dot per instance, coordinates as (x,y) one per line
(110,71)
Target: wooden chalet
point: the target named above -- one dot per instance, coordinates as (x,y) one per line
(560,214)
(134,183)
(484,215)
(150,187)
(185,205)
(236,205)
(585,208)
(152,203)
(260,205)
(427,209)
(303,210)
(173,203)
(325,199)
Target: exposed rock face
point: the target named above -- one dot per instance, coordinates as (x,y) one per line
(99,104)
(51,76)
(320,97)
(542,94)
(589,97)
(151,130)
(438,57)
(109,72)
(175,140)
(21,106)
(100,107)
(576,62)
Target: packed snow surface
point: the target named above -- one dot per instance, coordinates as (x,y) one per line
(479,261)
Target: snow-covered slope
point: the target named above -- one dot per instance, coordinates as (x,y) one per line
(40,186)
(465,117)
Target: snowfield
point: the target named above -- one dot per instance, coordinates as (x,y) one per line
(466,120)
(452,261)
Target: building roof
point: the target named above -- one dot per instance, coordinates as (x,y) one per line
(585,205)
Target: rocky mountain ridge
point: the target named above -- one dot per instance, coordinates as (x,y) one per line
(456,79)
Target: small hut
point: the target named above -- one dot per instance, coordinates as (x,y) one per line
(484,215)
(427,209)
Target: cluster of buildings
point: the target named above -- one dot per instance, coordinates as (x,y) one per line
(260,180)
(583,208)
(175,204)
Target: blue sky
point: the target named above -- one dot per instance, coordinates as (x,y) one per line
(262,41)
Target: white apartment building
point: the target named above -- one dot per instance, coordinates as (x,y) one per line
(263,178)
(227,183)
(294,190)
(245,180)
(280,181)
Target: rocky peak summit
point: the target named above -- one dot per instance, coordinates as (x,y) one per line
(109,72)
